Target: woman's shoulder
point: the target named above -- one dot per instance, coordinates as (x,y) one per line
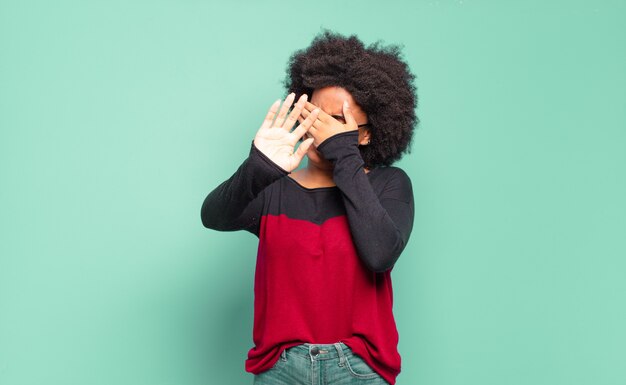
(392,181)
(390,172)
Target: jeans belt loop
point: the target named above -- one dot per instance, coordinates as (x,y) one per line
(340,351)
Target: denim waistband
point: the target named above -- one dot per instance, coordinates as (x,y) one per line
(319,351)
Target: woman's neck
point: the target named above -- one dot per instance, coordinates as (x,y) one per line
(314,175)
(318,175)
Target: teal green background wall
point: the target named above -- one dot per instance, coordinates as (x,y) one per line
(118,117)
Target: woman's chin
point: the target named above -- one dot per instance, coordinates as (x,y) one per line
(316,158)
(313,154)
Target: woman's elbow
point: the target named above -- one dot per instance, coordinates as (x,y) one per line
(381,265)
(208,218)
(205,221)
(385,258)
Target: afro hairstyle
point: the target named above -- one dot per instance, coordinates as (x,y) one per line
(378,79)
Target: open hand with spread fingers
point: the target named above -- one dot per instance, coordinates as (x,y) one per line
(277,141)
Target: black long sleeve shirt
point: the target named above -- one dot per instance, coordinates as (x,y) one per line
(325,254)
(379,204)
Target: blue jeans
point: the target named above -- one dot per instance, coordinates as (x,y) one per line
(316,364)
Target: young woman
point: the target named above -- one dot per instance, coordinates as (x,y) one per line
(329,233)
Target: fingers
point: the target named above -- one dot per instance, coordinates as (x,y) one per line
(302,149)
(283,110)
(269,118)
(305,125)
(295,113)
(300,120)
(317,123)
(324,117)
(347,113)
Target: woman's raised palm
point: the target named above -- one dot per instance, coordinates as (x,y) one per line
(277,141)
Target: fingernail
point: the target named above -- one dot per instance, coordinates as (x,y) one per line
(345,104)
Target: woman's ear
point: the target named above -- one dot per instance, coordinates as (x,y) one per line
(364,136)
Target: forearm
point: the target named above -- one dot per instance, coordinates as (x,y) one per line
(222,208)
(380,226)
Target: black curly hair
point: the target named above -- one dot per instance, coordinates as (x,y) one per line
(378,79)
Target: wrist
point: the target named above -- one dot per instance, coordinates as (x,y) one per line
(340,145)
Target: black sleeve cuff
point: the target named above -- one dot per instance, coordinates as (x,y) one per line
(266,163)
(339,145)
